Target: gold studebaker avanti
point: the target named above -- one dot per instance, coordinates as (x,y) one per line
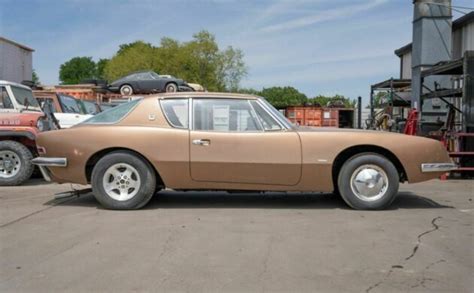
(222,141)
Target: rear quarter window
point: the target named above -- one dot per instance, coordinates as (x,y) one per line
(113,115)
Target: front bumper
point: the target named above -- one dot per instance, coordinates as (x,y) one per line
(438,167)
(44,162)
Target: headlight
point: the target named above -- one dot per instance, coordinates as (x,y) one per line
(40,124)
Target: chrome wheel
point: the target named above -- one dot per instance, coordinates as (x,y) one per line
(121,181)
(369,182)
(10,164)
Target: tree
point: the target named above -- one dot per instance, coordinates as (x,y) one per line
(199,61)
(282,97)
(101,68)
(77,69)
(336,101)
(231,68)
(136,56)
(35,77)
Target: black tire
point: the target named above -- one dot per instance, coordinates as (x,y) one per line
(26,167)
(145,172)
(171,88)
(358,200)
(126,90)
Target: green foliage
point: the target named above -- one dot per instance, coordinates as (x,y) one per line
(332,101)
(35,77)
(379,98)
(133,57)
(282,97)
(198,61)
(101,68)
(77,69)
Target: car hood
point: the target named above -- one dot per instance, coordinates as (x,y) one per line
(352,131)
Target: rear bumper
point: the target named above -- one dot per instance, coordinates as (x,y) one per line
(44,162)
(438,167)
(50,162)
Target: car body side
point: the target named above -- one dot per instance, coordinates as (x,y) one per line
(146,132)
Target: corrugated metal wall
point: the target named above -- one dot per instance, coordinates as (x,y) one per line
(406,66)
(16,64)
(463,40)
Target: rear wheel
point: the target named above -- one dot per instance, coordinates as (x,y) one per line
(171,88)
(123,181)
(15,163)
(368,182)
(126,90)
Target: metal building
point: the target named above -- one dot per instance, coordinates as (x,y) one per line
(16,61)
(404,90)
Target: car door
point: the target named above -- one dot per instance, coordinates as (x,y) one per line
(147,82)
(230,143)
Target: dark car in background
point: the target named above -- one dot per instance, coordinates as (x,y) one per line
(146,82)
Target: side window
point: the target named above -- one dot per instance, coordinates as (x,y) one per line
(113,115)
(176,112)
(5,102)
(46,102)
(268,122)
(224,115)
(70,105)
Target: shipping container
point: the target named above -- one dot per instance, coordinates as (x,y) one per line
(317,116)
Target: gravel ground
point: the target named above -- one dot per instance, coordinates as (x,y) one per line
(213,241)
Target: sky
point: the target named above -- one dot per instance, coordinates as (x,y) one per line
(322,47)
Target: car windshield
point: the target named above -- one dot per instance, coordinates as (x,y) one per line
(114,114)
(25,98)
(155,75)
(90,107)
(71,105)
(278,115)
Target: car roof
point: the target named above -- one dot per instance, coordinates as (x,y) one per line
(214,95)
(5,82)
(140,71)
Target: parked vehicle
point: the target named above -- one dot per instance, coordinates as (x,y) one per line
(145,82)
(21,119)
(221,141)
(106,106)
(68,110)
(91,108)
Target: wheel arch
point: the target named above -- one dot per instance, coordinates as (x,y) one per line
(92,161)
(349,152)
(26,138)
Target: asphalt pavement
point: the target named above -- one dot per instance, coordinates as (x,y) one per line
(219,242)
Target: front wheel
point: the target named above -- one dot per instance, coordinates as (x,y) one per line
(123,181)
(15,163)
(368,182)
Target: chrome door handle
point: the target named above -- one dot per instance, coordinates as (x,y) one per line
(203,142)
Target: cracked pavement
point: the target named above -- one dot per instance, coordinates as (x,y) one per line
(214,241)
